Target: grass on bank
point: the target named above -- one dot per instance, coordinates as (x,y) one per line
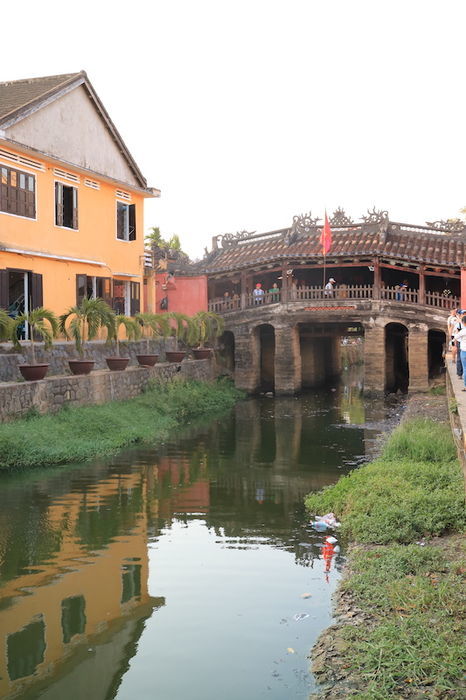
(79,433)
(414,644)
(414,489)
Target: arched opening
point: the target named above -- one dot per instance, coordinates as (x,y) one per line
(326,349)
(266,335)
(436,352)
(396,358)
(226,351)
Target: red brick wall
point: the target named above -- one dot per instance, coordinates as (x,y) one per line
(185,294)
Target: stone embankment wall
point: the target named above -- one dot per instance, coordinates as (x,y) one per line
(61,352)
(51,394)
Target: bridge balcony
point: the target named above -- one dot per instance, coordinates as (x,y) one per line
(319,296)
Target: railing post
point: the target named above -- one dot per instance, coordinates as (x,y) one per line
(377,280)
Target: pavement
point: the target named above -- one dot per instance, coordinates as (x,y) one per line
(457,410)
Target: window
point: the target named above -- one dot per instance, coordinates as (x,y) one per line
(25,649)
(121,297)
(17,192)
(126,221)
(93,287)
(73,617)
(66,205)
(131,582)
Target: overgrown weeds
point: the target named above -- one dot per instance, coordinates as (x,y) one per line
(78,433)
(413,490)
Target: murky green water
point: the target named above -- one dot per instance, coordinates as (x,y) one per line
(179,572)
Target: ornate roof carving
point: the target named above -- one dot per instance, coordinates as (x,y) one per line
(233,238)
(339,218)
(375,216)
(450,225)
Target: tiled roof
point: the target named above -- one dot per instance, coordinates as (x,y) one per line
(17,94)
(398,241)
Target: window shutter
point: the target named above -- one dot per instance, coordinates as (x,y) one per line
(132,223)
(120,221)
(30,205)
(37,298)
(4,290)
(59,204)
(135,298)
(75,208)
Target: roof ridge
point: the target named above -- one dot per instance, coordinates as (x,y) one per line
(66,77)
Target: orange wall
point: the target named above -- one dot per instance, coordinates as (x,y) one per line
(187,294)
(95,239)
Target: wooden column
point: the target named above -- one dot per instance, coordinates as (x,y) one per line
(377,279)
(422,285)
(284,295)
(243,289)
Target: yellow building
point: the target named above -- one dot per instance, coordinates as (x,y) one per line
(71,200)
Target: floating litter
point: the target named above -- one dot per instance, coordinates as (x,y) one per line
(300,616)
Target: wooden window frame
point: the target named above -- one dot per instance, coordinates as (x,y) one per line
(59,206)
(16,200)
(130,234)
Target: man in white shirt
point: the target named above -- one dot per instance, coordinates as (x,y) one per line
(329,287)
(461,338)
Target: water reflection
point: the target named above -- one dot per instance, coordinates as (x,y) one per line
(105,567)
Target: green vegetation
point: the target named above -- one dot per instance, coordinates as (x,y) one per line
(78,433)
(415,643)
(83,322)
(415,489)
(412,645)
(42,323)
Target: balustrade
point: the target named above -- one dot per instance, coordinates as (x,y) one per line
(326,296)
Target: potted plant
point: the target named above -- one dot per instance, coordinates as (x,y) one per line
(42,323)
(153,326)
(182,330)
(85,321)
(209,327)
(132,332)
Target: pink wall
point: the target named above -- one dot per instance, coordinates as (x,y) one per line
(185,294)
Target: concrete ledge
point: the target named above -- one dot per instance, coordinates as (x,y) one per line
(457,400)
(50,394)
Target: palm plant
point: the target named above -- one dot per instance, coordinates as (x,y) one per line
(184,328)
(153,326)
(5,325)
(209,326)
(85,321)
(132,328)
(42,323)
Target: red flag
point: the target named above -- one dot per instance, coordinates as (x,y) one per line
(326,237)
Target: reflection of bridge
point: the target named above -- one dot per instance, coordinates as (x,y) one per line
(395,282)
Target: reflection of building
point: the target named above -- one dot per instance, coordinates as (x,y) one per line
(81,605)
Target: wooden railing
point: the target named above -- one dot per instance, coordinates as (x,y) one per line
(326,297)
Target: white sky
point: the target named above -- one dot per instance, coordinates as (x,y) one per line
(245,113)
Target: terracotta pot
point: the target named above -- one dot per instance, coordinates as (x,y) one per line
(81,366)
(175,355)
(202,353)
(147,360)
(33,372)
(117,363)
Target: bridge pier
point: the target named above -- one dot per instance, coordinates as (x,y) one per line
(247,360)
(374,359)
(287,360)
(418,357)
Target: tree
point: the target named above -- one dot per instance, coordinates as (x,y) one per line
(86,320)
(42,322)
(154,239)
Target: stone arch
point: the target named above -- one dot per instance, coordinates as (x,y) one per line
(265,335)
(436,349)
(396,357)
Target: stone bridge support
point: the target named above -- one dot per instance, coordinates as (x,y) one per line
(247,359)
(418,356)
(374,358)
(287,360)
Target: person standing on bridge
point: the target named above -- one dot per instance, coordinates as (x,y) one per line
(461,338)
(258,294)
(329,291)
(452,324)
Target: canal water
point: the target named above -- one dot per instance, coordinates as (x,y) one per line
(184,570)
